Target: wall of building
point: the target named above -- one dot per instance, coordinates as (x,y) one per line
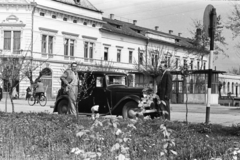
(230,83)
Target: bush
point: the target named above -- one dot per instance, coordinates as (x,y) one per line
(48,136)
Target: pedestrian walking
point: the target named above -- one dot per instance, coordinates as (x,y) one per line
(164,87)
(70,84)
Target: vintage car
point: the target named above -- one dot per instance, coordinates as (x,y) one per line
(109,90)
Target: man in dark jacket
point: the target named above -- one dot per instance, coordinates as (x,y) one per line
(164,87)
(1,93)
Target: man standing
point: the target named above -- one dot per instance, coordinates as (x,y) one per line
(164,87)
(1,93)
(70,79)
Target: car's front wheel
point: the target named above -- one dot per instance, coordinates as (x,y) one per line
(130,110)
(63,107)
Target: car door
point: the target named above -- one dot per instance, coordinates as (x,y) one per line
(99,94)
(85,104)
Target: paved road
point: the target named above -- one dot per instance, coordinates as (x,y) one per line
(219,114)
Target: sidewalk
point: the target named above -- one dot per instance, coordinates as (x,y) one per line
(224,115)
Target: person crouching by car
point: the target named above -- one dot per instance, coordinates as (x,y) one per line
(70,80)
(39,90)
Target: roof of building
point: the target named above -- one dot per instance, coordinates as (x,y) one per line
(130,29)
(79,3)
(15,2)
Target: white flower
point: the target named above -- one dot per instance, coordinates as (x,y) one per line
(93,117)
(121,157)
(234,152)
(207,136)
(118,132)
(77,151)
(234,158)
(95,108)
(97,115)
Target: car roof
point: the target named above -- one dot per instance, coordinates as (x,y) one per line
(103,72)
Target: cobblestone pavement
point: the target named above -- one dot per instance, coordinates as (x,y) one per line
(197,112)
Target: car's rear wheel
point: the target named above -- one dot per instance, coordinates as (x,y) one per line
(63,107)
(130,110)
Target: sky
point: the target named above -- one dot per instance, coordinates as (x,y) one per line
(176,15)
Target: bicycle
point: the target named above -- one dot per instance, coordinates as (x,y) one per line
(33,99)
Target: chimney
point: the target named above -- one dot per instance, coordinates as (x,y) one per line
(156,28)
(198,36)
(111,16)
(170,31)
(179,34)
(134,22)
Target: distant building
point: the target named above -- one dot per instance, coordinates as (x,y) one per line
(229,84)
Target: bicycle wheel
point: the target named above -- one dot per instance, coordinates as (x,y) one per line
(31,100)
(43,100)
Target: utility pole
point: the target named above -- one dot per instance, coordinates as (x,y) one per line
(209,22)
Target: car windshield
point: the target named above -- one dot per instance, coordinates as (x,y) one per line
(116,80)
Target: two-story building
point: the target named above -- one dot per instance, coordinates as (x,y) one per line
(57,32)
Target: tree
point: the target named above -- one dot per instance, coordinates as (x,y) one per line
(13,69)
(234,22)
(104,65)
(235,70)
(201,43)
(149,61)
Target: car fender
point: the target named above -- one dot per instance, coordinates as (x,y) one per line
(62,97)
(117,108)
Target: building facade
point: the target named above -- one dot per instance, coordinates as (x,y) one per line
(58,32)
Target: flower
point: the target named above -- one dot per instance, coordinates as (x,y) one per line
(95,108)
(118,132)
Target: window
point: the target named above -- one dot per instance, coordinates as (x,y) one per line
(191,65)
(12,41)
(154,59)
(105,53)
(140,58)
(50,44)
(47,44)
(42,14)
(93,25)
(185,62)
(130,56)
(168,62)
(118,55)
(54,16)
(69,47)
(85,23)
(7,40)
(74,21)
(198,65)
(204,65)
(99,81)
(177,63)
(88,49)
(64,19)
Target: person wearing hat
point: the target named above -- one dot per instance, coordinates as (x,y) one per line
(164,87)
(70,84)
(39,90)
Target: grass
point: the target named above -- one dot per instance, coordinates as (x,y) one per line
(52,137)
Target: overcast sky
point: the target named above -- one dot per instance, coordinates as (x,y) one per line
(176,15)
